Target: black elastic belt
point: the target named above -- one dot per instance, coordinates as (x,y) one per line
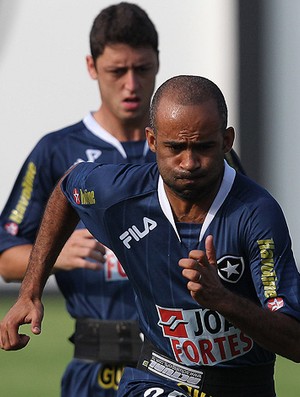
(203,377)
(107,341)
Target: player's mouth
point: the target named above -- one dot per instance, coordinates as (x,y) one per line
(187,176)
(188,179)
(132,103)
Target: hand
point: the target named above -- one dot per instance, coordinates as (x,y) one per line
(78,251)
(24,311)
(202,272)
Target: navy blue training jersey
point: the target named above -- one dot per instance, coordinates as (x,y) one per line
(126,208)
(104,294)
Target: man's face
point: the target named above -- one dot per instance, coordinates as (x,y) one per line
(126,78)
(190,148)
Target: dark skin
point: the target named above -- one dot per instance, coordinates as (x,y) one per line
(274,331)
(190,146)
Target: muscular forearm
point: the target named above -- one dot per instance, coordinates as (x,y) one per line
(274,331)
(57,225)
(58,222)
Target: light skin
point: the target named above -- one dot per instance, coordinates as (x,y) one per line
(190,154)
(126,80)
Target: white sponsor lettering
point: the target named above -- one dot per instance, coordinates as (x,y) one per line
(134,233)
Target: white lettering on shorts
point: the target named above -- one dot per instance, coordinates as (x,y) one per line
(158,391)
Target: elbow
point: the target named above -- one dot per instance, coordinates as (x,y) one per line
(6,276)
(3,272)
(6,273)
(293,353)
(10,279)
(296,358)
(5,279)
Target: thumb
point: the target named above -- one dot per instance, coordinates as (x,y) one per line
(36,327)
(210,250)
(36,322)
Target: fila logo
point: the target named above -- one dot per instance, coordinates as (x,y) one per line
(91,155)
(134,233)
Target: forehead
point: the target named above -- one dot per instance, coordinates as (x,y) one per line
(125,55)
(172,116)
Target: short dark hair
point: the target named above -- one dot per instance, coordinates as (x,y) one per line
(122,23)
(189,90)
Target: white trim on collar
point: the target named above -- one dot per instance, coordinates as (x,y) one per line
(226,185)
(95,128)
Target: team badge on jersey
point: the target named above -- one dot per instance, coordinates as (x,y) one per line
(231,268)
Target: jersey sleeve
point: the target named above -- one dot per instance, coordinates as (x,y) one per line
(274,271)
(89,194)
(22,213)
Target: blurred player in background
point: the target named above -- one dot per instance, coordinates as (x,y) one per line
(124,61)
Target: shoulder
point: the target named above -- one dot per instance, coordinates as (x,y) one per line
(64,133)
(122,177)
(56,140)
(253,198)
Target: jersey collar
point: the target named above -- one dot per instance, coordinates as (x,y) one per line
(95,128)
(226,185)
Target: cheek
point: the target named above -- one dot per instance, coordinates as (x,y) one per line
(165,164)
(211,163)
(147,89)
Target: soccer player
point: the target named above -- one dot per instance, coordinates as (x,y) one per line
(124,61)
(206,249)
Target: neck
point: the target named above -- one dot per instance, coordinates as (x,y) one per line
(191,211)
(123,130)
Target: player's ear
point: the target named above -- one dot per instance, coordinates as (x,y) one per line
(151,138)
(91,67)
(228,139)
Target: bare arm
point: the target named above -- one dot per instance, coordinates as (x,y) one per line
(13,262)
(80,251)
(58,222)
(274,331)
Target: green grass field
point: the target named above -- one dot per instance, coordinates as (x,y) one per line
(36,370)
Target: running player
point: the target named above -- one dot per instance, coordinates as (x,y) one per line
(124,62)
(213,324)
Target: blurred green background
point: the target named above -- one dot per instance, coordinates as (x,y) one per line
(36,370)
